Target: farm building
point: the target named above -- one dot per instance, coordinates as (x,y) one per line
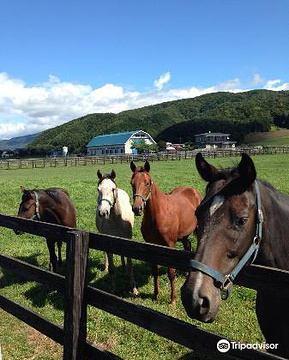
(214,140)
(119,143)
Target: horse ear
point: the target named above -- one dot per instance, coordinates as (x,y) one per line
(22,188)
(147,166)
(99,174)
(247,170)
(206,170)
(132,166)
(112,174)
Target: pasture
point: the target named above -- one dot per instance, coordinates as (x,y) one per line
(236,319)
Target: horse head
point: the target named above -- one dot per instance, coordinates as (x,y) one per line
(141,183)
(107,193)
(29,207)
(226,235)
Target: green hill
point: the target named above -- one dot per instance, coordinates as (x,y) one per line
(17,142)
(237,114)
(275,137)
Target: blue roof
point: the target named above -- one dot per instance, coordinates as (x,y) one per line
(111,139)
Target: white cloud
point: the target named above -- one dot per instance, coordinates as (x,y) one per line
(29,109)
(257,80)
(159,84)
(276,85)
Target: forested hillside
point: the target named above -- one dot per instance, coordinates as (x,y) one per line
(237,114)
(17,142)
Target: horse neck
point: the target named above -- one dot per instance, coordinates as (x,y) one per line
(274,244)
(155,201)
(122,207)
(48,211)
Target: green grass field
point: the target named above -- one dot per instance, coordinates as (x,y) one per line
(275,137)
(235,320)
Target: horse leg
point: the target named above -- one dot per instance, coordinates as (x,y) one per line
(186,243)
(105,265)
(111,271)
(52,256)
(59,243)
(155,274)
(172,275)
(131,277)
(123,263)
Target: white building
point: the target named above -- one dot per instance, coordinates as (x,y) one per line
(119,143)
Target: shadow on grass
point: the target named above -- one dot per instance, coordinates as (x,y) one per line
(9,278)
(41,295)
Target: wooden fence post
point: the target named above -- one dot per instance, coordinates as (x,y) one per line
(75,316)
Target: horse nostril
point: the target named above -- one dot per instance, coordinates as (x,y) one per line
(137,210)
(204,305)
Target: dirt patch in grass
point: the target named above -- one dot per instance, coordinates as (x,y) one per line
(262,136)
(43,346)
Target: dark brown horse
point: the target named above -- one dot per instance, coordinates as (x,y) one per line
(167,217)
(240,219)
(53,206)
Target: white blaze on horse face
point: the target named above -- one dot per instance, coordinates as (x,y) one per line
(106,196)
(216,204)
(198,284)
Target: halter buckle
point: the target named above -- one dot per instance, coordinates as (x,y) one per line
(226,287)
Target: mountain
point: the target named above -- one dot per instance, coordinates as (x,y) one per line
(237,114)
(17,142)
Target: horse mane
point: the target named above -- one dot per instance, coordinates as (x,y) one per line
(228,175)
(138,169)
(106,176)
(54,193)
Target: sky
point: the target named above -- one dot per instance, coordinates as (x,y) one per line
(63,59)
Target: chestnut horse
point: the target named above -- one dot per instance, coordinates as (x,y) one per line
(240,219)
(52,205)
(167,217)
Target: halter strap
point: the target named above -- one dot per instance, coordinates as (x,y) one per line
(144,198)
(225,282)
(108,201)
(36,215)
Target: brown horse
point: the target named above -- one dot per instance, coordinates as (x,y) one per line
(240,219)
(53,206)
(167,217)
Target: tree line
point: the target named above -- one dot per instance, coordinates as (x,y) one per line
(236,114)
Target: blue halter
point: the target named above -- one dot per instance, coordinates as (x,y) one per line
(36,215)
(225,282)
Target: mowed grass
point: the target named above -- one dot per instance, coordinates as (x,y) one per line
(275,137)
(236,318)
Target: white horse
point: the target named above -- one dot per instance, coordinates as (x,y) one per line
(64,151)
(114,216)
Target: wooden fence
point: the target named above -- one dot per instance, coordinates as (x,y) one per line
(78,294)
(10,164)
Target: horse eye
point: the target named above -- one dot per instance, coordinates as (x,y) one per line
(242,221)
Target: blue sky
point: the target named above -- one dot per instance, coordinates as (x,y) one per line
(63,59)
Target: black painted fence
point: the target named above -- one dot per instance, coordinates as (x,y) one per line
(78,294)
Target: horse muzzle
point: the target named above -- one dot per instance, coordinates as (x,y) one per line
(104,214)
(137,210)
(201,302)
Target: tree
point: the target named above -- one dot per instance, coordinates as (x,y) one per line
(142,147)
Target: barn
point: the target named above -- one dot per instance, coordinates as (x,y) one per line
(117,143)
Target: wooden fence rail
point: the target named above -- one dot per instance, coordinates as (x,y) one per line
(78,294)
(12,164)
